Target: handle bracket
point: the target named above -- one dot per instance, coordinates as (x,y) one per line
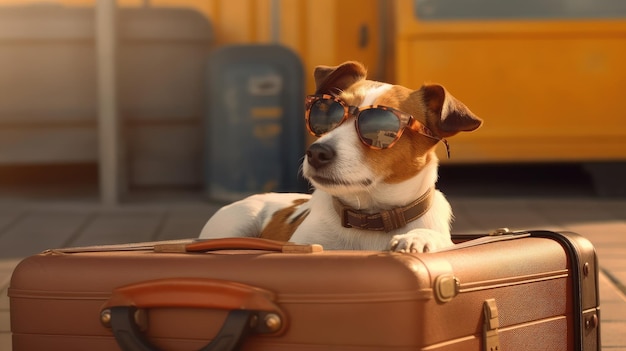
(252,310)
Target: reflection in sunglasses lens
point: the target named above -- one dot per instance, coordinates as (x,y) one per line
(378,128)
(325,115)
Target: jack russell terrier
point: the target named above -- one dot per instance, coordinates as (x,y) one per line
(373,167)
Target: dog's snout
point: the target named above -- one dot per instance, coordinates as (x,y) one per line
(320,155)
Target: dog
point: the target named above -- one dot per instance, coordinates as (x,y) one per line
(373,170)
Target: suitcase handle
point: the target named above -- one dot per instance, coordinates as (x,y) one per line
(252,309)
(239,243)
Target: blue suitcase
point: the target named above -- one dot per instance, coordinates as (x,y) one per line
(255,136)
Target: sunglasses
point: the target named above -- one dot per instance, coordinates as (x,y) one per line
(378,127)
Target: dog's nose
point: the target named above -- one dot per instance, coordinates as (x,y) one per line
(320,155)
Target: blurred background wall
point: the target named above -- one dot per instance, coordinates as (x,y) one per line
(546,76)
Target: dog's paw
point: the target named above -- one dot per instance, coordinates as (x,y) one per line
(419,240)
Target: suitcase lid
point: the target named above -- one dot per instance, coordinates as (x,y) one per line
(297,271)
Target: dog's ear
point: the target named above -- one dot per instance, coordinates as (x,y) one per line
(335,79)
(446,115)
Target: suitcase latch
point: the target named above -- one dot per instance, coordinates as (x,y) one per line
(491,339)
(447,286)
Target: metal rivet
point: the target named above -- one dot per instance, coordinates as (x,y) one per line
(592,322)
(105,318)
(273,322)
(499,231)
(586,269)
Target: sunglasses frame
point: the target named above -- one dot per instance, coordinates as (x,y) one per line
(406,120)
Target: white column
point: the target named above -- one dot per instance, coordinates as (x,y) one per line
(109,135)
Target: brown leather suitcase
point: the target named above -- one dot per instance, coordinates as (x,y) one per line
(521,291)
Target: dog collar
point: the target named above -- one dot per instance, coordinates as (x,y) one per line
(387,220)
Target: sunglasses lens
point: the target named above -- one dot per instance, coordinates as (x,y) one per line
(325,115)
(378,128)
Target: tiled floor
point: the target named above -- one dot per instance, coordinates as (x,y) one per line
(28,228)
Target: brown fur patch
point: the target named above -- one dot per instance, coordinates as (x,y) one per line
(330,80)
(279,227)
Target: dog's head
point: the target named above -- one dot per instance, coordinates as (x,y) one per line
(342,161)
